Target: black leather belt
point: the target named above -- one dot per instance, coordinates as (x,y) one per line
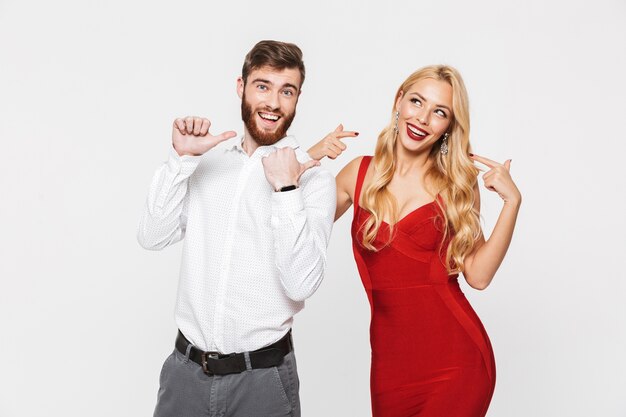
(215,363)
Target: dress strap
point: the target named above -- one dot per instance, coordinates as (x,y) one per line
(365,163)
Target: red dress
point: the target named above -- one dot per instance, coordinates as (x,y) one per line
(431,356)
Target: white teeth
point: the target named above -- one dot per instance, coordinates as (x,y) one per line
(266,116)
(417,132)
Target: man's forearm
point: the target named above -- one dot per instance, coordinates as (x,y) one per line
(302,224)
(162,222)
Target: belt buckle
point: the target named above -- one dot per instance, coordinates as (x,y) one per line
(205,363)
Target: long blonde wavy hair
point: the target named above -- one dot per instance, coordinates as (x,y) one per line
(452,176)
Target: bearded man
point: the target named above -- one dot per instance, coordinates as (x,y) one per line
(256,214)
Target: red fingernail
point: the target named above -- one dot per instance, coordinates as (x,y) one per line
(356,133)
(471,154)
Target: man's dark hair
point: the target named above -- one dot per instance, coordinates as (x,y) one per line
(273,54)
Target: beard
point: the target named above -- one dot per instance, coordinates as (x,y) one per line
(261,136)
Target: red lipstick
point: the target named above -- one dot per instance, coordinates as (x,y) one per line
(415,132)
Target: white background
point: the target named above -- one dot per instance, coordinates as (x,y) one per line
(88,91)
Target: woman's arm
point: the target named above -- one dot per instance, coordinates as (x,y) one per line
(481,265)
(346,181)
(332,146)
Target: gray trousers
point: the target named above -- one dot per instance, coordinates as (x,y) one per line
(186,391)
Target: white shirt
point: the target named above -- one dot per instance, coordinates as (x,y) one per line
(251,256)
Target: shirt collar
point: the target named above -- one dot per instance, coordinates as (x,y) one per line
(234,144)
(288,141)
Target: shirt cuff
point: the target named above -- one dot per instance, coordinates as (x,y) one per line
(288,201)
(184,165)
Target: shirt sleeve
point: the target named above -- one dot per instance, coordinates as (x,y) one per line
(164,217)
(302,221)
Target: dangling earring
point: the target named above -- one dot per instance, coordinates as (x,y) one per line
(444,144)
(395,128)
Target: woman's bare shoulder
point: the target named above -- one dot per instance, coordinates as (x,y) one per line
(346,179)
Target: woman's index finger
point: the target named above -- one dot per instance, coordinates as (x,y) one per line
(486,161)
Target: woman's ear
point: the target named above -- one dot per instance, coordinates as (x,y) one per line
(399,99)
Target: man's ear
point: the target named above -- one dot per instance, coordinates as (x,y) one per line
(240,86)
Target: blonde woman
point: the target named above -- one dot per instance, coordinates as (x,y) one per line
(416,227)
